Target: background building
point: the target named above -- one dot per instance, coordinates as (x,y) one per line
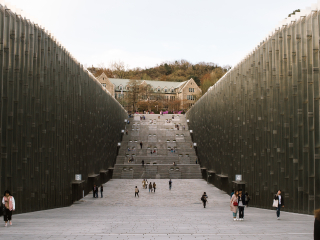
(151,95)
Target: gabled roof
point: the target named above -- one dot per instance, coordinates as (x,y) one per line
(153,83)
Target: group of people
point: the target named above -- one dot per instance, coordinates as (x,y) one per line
(152,187)
(95,191)
(237,203)
(142,117)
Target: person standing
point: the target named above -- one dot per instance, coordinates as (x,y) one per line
(234,205)
(136,192)
(142,162)
(101,191)
(241,204)
(150,187)
(316,231)
(232,192)
(9,207)
(141,144)
(143,183)
(247,198)
(154,186)
(94,190)
(170,184)
(280,199)
(204,199)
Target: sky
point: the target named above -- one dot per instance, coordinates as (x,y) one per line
(144,33)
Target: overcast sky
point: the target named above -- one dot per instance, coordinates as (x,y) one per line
(143,33)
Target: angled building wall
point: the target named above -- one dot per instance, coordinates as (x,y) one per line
(261,120)
(56,119)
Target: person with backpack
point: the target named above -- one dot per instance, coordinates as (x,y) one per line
(136,192)
(9,207)
(204,199)
(234,205)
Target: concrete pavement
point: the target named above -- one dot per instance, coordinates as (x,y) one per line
(165,214)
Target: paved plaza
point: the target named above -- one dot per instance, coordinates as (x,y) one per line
(165,214)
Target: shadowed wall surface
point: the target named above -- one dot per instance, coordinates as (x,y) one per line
(56,119)
(261,120)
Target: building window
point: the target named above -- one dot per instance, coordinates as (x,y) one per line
(191,97)
(104,85)
(172,90)
(158,89)
(120,87)
(165,90)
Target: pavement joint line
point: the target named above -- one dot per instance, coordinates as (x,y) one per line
(166,215)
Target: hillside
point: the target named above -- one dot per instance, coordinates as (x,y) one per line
(204,74)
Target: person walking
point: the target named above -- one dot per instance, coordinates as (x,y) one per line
(101,191)
(143,183)
(9,207)
(154,186)
(280,199)
(316,231)
(241,204)
(146,184)
(142,162)
(234,205)
(204,199)
(141,144)
(170,184)
(150,187)
(136,192)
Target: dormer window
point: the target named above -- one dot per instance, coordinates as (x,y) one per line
(158,89)
(165,90)
(120,87)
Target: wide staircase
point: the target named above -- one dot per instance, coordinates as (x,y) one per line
(165,140)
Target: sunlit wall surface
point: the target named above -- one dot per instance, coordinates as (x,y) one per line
(56,119)
(261,120)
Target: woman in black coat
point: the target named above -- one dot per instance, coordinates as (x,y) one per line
(316,233)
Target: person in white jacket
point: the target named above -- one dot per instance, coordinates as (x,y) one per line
(9,207)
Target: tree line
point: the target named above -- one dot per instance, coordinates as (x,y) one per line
(203,73)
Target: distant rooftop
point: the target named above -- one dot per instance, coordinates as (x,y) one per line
(153,83)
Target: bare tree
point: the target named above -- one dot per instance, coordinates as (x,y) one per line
(133,93)
(118,68)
